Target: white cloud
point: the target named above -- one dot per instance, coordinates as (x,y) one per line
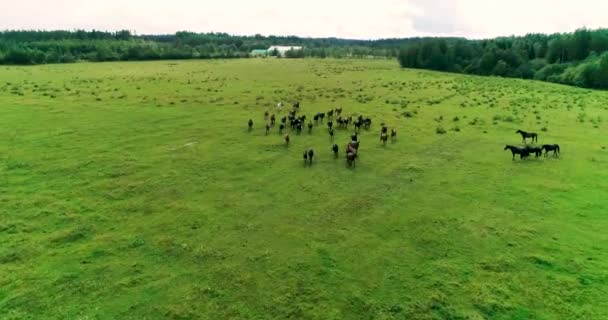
(318,18)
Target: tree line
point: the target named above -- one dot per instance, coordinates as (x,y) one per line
(39,47)
(579,58)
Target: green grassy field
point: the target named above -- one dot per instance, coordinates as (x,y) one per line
(135,191)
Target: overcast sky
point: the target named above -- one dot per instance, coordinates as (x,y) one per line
(358,19)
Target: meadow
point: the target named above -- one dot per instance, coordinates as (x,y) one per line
(135,191)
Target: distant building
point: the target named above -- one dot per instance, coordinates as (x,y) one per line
(259,53)
(282,49)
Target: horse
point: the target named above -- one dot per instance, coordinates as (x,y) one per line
(266,115)
(354,137)
(287,139)
(350,159)
(273,119)
(526,135)
(250,124)
(384,138)
(305,156)
(331,133)
(367,123)
(384,129)
(284,120)
(551,147)
(339,110)
(267,128)
(522,152)
(393,134)
(330,124)
(335,148)
(535,150)
(310,127)
(311,154)
(281,128)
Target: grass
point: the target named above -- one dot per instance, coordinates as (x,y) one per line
(135,191)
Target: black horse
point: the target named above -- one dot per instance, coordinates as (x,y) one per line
(250,124)
(535,150)
(335,148)
(267,128)
(522,152)
(551,147)
(526,135)
(273,119)
(311,154)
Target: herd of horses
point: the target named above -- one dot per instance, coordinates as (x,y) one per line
(296,124)
(526,151)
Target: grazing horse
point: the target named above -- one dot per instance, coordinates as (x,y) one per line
(273,119)
(305,156)
(384,138)
(331,133)
(250,124)
(322,116)
(526,135)
(330,114)
(535,150)
(384,129)
(393,134)
(335,148)
(367,123)
(287,139)
(284,120)
(267,128)
(354,137)
(551,147)
(330,125)
(311,154)
(522,152)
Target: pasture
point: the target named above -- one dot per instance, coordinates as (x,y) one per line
(136,191)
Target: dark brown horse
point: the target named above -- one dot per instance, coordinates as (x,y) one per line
(522,152)
(384,138)
(526,135)
(551,147)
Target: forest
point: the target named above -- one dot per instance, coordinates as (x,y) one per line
(579,58)
(39,47)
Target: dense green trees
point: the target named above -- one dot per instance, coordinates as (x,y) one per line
(35,47)
(579,58)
